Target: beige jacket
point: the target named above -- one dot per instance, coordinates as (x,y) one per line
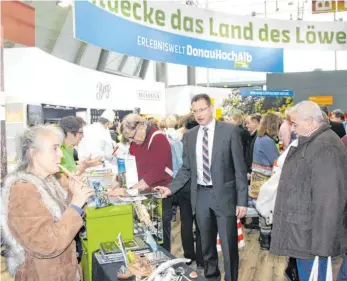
(39,229)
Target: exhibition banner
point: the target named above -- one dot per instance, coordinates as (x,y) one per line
(218,27)
(266,93)
(110,31)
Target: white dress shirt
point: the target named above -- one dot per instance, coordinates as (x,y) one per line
(199,161)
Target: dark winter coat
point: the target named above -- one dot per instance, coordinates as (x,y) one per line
(310,210)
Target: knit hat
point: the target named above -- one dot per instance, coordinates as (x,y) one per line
(109,115)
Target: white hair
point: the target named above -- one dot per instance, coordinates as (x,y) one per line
(31,139)
(308,110)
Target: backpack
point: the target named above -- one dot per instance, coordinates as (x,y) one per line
(176,151)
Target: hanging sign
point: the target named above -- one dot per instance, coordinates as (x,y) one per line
(266,93)
(106,29)
(323,100)
(176,30)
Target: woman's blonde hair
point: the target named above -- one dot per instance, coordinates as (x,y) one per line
(238,118)
(269,125)
(171,121)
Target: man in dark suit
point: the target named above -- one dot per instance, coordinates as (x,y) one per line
(338,128)
(213,160)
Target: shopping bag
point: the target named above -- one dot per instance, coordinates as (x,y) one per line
(268,191)
(240,239)
(315,270)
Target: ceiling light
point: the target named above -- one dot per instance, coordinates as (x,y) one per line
(64,3)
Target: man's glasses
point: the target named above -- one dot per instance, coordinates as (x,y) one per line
(199,111)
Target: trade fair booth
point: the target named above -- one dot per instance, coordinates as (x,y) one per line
(45,79)
(51,88)
(178,99)
(122,233)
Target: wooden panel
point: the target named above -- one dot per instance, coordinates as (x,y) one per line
(18,21)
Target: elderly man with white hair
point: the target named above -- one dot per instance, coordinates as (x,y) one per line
(310,210)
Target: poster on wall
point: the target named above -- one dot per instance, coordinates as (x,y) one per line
(103,26)
(250,101)
(328,6)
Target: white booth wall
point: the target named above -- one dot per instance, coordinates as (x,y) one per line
(33,76)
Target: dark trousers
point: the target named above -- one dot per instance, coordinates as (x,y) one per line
(183,199)
(167,217)
(211,219)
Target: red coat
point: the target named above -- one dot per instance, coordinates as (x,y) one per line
(151,163)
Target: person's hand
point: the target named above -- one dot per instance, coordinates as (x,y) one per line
(248,176)
(80,192)
(114,192)
(91,162)
(76,182)
(164,191)
(241,212)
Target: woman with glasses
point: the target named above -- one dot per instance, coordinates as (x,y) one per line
(152,151)
(73,134)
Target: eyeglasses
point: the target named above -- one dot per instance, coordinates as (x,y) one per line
(201,110)
(133,136)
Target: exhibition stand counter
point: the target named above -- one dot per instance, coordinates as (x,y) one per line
(122,233)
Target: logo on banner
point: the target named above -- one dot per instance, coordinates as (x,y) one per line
(103,91)
(149,95)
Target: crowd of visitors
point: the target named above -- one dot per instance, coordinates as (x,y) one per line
(213,171)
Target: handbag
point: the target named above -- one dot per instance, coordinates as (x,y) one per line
(315,270)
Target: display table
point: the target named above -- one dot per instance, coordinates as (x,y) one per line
(108,272)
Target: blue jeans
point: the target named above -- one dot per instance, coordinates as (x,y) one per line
(343,270)
(305,267)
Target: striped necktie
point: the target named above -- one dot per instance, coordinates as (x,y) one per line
(205,158)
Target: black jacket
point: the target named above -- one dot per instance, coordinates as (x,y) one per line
(249,151)
(245,139)
(338,128)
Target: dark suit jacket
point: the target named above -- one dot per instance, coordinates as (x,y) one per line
(338,128)
(228,169)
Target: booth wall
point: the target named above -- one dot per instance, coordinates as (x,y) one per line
(33,76)
(317,83)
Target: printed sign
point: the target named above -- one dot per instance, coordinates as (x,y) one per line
(323,100)
(165,19)
(105,29)
(328,6)
(323,6)
(268,93)
(149,95)
(342,5)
